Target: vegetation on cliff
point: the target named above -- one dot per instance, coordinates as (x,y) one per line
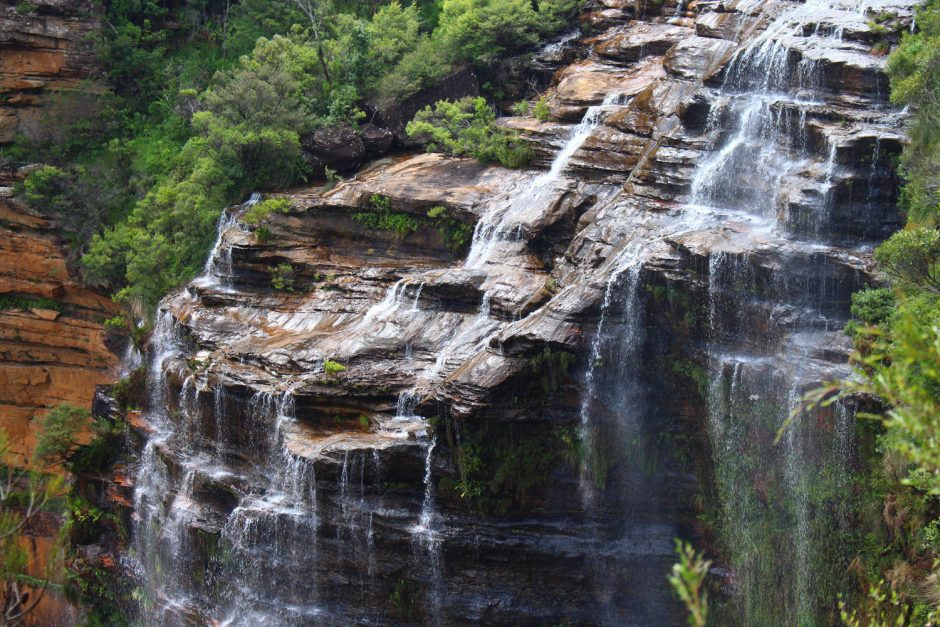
(897,335)
(208,101)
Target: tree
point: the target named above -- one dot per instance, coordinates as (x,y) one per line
(468,127)
(482,31)
(911,258)
(24,495)
(393,32)
(59,438)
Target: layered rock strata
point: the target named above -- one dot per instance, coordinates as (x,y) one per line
(46,48)
(52,339)
(513,426)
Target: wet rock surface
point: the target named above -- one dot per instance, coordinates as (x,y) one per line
(449,393)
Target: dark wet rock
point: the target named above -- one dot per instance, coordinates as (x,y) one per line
(337,147)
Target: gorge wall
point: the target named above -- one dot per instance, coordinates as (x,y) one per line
(445,392)
(52,340)
(46,47)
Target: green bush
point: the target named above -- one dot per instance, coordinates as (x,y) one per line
(282,277)
(333,368)
(915,81)
(468,127)
(541,110)
(873,306)
(8,302)
(259,212)
(207,103)
(60,430)
(911,258)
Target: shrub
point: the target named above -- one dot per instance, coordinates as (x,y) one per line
(873,306)
(468,127)
(61,427)
(260,211)
(911,258)
(523,107)
(541,111)
(382,218)
(282,277)
(333,368)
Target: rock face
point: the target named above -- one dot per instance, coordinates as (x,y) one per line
(46,46)
(49,353)
(448,393)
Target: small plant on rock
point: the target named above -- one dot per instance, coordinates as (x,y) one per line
(333,368)
(541,111)
(282,278)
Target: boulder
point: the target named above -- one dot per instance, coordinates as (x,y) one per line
(336,147)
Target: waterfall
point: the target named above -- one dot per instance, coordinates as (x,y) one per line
(218,268)
(693,299)
(173,531)
(757,381)
(501,223)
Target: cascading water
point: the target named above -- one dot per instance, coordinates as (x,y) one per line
(273,492)
(219,267)
(502,222)
(777,510)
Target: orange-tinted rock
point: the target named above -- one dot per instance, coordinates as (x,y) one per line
(47,48)
(47,356)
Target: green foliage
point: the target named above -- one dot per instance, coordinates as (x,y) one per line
(63,430)
(283,277)
(898,361)
(541,110)
(882,606)
(456,234)
(130,392)
(382,218)
(914,68)
(687,580)
(911,258)
(523,107)
(62,425)
(23,496)
(333,368)
(551,367)
(468,127)
(483,31)
(259,212)
(501,470)
(691,370)
(8,301)
(406,601)
(81,199)
(873,306)
(206,102)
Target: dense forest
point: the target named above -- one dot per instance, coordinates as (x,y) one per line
(202,103)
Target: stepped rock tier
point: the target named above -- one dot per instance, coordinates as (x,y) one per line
(513,426)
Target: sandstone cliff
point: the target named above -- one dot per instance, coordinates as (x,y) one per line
(46,46)
(53,352)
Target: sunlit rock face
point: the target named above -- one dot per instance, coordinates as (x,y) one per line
(52,338)
(446,392)
(52,351)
